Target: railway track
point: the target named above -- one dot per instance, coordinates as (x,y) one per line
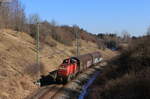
(60,91)
(45,92)
(75,88)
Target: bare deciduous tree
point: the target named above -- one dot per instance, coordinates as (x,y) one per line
(148,31)
(125,35)
(12,15)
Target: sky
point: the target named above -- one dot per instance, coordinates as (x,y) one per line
(95,16)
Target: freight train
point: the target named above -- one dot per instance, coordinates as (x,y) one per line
(72,66)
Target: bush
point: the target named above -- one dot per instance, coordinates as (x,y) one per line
(51,43)
(110,41)
(111,44)
(129,87)
(127,76)
(34,70)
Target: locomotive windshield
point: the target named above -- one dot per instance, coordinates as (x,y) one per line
(65,61)
(69,61)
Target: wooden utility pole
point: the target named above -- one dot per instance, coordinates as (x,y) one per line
(38,46)
(77,40)
(77,43)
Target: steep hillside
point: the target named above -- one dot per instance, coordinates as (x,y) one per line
(15,54)
(18,69)
(126,76)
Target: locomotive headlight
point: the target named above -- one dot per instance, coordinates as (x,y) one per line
(38,83)
(63,68)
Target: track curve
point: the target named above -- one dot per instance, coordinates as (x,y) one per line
(45,92)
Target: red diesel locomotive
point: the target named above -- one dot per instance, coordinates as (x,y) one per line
(72,66)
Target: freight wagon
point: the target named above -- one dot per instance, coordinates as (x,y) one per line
(72,66)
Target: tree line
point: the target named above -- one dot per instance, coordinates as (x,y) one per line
(12,16)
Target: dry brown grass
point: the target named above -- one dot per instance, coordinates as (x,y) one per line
(127,76)
(130,86)
(18,57)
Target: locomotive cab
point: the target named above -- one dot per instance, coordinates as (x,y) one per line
(69,67)
(66,61)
